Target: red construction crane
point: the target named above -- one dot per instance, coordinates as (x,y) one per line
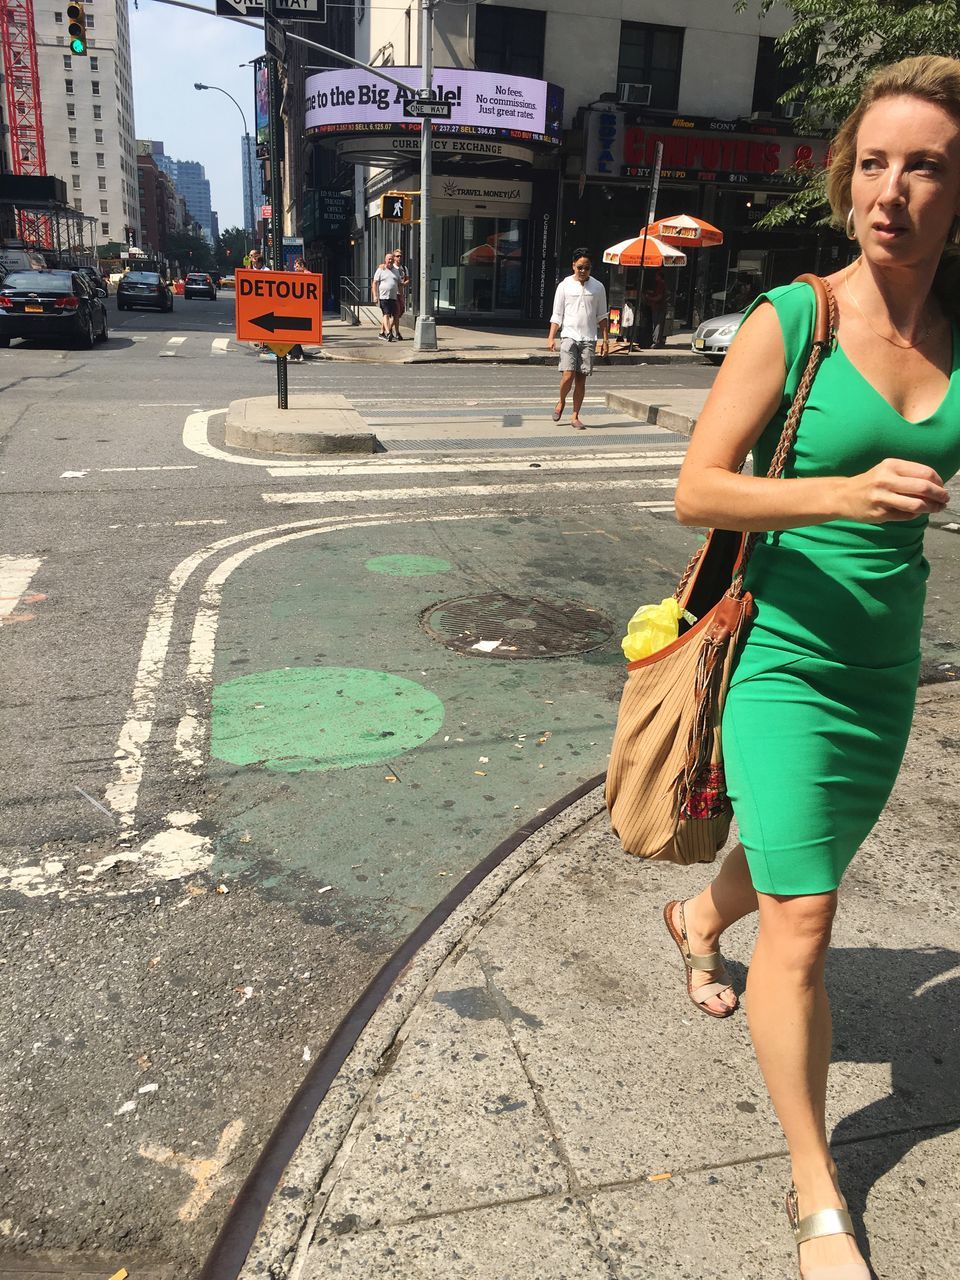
(18,44)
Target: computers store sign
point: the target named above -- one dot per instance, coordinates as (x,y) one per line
(619,150)
(480,102)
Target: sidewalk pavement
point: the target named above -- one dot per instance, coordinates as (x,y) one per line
(468,345)
(537,1098)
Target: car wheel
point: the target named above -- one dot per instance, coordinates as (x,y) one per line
(87,336)
(104,332)
(715,359)
(4,342)
(120,306)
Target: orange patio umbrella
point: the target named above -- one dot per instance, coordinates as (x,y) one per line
(684,229)
(644,251)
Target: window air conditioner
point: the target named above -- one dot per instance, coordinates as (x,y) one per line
(637,95)
(792,109)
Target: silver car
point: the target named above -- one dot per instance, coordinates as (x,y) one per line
(714,336)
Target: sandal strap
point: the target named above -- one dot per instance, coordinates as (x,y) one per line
(713,961)
(825,1222)
(700,995)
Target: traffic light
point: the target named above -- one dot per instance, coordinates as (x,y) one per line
(77,28)
(396,208)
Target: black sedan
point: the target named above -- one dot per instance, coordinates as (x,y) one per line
(144,289)
(48,304)
(199,285)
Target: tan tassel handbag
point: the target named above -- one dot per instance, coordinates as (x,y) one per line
(665,786)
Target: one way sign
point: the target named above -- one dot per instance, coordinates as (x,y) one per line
(288,9)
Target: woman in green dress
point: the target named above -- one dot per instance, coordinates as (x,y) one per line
(822,697)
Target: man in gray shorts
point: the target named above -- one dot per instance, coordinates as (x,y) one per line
(579,312)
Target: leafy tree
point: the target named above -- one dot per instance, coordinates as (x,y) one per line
(233,243)
(834,48)
(192,252)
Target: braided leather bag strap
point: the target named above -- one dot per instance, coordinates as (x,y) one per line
(824,327)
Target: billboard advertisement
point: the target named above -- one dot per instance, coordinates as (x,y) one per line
(482,103)
(261,77)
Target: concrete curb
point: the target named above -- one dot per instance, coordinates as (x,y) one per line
(287,1226)
(655,414)
(312,424)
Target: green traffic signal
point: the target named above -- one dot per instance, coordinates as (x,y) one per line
(77,28)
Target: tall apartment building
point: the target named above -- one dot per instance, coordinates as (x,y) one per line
(87,106)
(190,180)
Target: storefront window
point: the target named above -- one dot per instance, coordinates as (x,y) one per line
(481,263)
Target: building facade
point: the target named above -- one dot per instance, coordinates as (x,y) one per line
(190,180)
(160,204)
(250,174)
(552,141)
(87,114)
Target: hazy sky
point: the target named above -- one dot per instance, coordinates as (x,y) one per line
(171,49)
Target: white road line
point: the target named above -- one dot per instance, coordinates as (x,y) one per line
(15,575)
(459,491)
(219,346)
(641,460)
(176,342)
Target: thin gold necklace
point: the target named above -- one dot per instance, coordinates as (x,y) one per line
(904,346)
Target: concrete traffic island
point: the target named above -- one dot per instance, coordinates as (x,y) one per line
(312,424)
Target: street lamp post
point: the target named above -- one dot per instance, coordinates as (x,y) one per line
(246,143)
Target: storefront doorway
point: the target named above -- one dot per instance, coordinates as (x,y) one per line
(480,262)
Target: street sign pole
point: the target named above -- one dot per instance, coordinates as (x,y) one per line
(276,186)
(425,334)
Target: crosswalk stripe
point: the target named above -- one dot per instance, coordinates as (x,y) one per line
(644,459)
(219,346)
(16,573)
(306,497)
(176,342)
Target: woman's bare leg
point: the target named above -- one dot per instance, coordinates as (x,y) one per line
(728,898)
(789,1015)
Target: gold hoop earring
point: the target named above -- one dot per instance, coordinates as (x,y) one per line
(851,229)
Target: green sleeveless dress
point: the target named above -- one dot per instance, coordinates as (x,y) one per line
(821,700)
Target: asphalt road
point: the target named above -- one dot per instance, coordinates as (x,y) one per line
(155,1027)
(245,744)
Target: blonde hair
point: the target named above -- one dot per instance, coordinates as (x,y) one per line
(930,78)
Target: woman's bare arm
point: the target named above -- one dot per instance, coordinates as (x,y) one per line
(745,396)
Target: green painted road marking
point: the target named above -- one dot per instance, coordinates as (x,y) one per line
(408,566)
(310,719)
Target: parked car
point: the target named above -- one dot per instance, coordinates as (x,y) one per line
(45,304)
(713,337)
(227,282)
(198,284)
(144,289)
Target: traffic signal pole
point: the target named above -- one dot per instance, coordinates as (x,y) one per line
(276,189)
(425,333)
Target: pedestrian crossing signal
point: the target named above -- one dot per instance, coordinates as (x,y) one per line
(396,208)
(77,28)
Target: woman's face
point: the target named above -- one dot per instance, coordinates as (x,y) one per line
(905,187)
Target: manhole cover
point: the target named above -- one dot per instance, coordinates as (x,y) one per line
(501,626)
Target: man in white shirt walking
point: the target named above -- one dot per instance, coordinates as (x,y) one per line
(579,313)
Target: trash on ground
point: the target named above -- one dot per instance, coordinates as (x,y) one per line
(126,1108)
(326,888)
(148,1088)
(487,646)
(222,888)
(245,993)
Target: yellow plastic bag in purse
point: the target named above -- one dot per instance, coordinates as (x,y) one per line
(653,627)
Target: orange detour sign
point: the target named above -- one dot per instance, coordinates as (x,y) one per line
(279,308)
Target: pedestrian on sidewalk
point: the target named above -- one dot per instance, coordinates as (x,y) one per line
(384,289)
(296,351)
(404,275)
(821,700)
(579,312)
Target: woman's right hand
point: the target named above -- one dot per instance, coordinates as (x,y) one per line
(894,489)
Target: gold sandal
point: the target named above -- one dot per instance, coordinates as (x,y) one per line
(825,1222)
(710,963)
